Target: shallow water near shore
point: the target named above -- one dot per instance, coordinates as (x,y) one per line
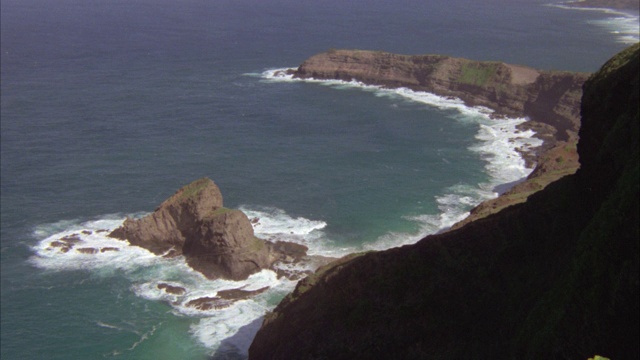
(108,108)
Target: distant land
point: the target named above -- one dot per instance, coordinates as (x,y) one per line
(607,4)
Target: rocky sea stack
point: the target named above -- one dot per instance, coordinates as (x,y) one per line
(555,277)
(217,241)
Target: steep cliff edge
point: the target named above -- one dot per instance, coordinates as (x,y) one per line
(549,98)
(553,277)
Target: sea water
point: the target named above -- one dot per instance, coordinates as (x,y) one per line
(108,107)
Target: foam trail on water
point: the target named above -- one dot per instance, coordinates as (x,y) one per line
(624,25)
(275,224)
(85,245)
(499,144)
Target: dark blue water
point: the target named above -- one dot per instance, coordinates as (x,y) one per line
(108,107)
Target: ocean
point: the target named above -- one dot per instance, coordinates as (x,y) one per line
(108,107)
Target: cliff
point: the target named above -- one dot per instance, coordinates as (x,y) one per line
(214,240)
(549,98)
(553,277)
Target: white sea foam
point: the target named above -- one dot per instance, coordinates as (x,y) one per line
(275,224)
(499,144)
(625,28)
(236,326)
(624,25)
(88,236)
(147,271)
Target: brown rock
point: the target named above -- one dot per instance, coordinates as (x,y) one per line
(87,250)
(162,230)
(216,241)
(64,246)
(71,239)
(239,294)
(170,289)
(66,243)
(287,251)
(224,245)
(209,303)
(224,299)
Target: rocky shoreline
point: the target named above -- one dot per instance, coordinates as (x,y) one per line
(549,100)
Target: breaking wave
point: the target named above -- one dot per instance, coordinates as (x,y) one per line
(625,26)
(77,245)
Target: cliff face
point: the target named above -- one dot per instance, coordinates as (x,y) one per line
(554,277)
(216,241)
(550,98)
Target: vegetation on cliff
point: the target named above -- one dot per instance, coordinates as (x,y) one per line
(554,277)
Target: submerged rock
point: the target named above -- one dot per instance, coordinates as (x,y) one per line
(172,289)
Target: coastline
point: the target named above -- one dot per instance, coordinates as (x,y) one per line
(512,147)
(546,101)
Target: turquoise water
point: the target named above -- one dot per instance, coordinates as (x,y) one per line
(109,107)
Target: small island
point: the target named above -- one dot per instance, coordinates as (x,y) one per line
(217,241)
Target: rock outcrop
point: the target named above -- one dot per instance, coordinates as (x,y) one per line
(554,277)
(218,242)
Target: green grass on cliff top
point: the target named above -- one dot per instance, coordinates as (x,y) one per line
(477,73)
(193,189)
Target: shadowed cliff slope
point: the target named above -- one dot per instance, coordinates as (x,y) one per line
(554,277)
